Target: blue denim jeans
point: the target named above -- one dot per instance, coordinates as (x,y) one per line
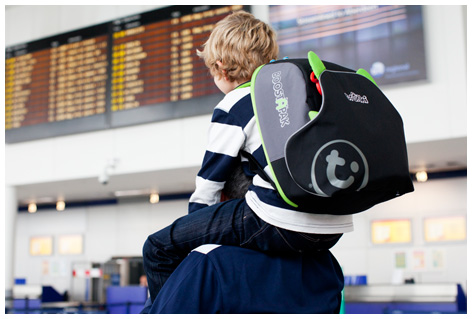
(228,223)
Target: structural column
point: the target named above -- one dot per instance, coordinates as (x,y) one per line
(11,210)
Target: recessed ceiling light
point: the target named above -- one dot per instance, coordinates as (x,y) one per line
(60,205)
(154,198)
(132,192)
(421,176)
(32,208)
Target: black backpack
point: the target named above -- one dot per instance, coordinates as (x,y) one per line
(334,143)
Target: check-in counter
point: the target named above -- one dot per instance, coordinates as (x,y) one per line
(407,298)
(25,299)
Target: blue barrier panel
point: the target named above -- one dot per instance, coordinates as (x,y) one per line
(22,306)
(126,300)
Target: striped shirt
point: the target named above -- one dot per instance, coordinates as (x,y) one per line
(233,129)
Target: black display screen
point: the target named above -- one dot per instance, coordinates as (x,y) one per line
(385,40)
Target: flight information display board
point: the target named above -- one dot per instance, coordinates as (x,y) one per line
(132,70)
(56,79)
(385,40)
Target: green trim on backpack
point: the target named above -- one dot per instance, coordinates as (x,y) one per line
(253,99)
(367,75)
(312,114)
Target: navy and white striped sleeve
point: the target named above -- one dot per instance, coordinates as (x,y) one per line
(225,139)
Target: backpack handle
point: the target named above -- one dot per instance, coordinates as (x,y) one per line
(316,64)
(318,67)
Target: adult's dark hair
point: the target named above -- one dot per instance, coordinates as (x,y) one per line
(237,184)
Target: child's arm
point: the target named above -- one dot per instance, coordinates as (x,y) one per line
(225,139)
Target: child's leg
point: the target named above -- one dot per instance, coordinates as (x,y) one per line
(164,250)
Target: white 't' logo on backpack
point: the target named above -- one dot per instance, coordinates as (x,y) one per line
(339,165)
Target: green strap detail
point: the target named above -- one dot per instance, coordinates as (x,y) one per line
(316,64)
(244,85)
(312,114)
(253,99)
(342,309)
(366,74)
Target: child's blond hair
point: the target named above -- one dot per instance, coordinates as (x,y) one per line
(242,43)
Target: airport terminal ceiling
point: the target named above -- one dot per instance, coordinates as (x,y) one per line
(437,156)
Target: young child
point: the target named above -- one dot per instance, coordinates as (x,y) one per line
(261,220)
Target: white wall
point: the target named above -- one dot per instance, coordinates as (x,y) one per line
(149,147)
(436,198)
(111,230)
(32,22)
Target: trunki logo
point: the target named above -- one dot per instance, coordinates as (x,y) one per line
(281,100)
(353,97)
(339,165)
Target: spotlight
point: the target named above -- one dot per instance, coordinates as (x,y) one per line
(421,176)
(60,205)
(32,208)
(154,198)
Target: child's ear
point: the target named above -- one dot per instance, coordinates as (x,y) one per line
(223,71)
